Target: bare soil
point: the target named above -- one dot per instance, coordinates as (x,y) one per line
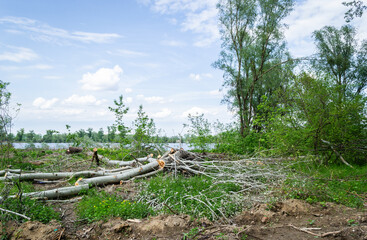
(291,219)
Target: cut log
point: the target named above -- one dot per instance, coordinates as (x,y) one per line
(72,150)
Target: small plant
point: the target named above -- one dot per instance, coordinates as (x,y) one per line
(191,234)
(311,222)
(352,222)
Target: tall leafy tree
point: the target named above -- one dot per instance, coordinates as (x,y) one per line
(342,59)
(252,46)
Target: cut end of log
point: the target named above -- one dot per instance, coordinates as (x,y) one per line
(95,149)
(77,182)
(161,163)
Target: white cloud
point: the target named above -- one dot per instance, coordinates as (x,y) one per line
(125,52)
(42,103)
(308,16)
(102,79)
(154,99)
(195,77)
(129,100)
(194,111)
(215,93)
(43,32)
(128,90)
(165,112)
(200,17)
(198,77)
(71,111)
(18,54)
(52,77)
(41,67)
(173,43)
(99,63)
(82,100)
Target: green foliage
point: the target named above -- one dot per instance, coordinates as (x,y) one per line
(311,113)
(197,196)
(7,114)
(199,128)
(191,234)
(120,110)
(252,52)
(356,10)
(144,130)
(73,137)
(327,184)
(31,208)
(101,206)
(115,154)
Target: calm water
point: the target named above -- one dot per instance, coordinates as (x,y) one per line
(66,145)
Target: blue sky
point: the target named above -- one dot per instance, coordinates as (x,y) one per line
(67,60)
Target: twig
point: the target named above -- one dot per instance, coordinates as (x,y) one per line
(338,154)
(315,234)
(61,233)
(15,213)
(174,212)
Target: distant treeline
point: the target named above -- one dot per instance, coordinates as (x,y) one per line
(53,136)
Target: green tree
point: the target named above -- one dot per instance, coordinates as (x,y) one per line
(356,10)
(49,136)
(120,110)
(252,46)
(144,130)
(100,135)
(20,135)
(7,114)
(200,132)
(342,59)
(111,133)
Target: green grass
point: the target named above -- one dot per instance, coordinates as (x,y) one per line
(101,206)
(115,153)
(34,209)
(197,196)
(334,183)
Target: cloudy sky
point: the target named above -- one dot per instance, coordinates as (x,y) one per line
(67,61)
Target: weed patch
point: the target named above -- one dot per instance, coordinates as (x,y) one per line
(197,196)
(100,206)
(30,208)
(333,183)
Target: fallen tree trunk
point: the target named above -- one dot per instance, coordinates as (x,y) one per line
(52,176)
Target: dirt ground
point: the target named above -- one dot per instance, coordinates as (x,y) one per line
(291,219)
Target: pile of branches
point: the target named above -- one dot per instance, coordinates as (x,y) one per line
(251,173)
